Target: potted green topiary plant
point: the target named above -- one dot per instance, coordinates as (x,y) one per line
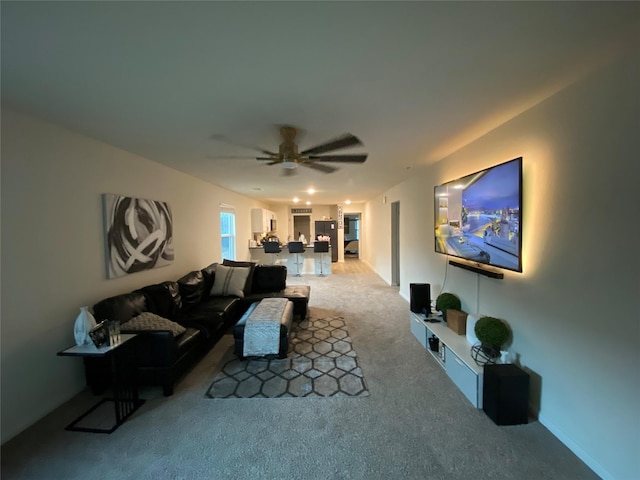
(447,301)
(492,333)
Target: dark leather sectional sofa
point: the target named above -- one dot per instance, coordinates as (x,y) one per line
(159,357)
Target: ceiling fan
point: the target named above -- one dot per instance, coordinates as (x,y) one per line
(289,157)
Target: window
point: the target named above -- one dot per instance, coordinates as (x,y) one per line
(228,232)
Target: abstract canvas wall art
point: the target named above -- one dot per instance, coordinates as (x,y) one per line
(139,234)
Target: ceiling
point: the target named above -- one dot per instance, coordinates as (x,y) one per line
(414,81)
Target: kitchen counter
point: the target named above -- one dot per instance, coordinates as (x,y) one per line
(309,262)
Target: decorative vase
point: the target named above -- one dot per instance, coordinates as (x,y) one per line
(84,323)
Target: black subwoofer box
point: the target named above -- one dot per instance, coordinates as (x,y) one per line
(420,294)
(505,394)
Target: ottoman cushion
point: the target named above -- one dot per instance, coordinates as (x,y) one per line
(285,330)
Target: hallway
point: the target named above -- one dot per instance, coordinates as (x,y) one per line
(351,265)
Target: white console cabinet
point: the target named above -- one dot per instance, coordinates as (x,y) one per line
(454,355)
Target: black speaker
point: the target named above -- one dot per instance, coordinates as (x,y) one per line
(420,294)
(505,394)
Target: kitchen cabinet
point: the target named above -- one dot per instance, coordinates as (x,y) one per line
(263,221)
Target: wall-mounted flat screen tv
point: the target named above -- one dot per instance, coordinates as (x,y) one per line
(479,217)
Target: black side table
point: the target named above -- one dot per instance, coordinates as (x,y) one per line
(505,394)
(125,392)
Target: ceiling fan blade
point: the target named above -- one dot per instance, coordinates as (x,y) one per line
(224,139)
(229,157)
(274,162)
(347,140)
(274,158)
(339,158)
(319,167)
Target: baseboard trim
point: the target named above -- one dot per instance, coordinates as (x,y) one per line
(575,448)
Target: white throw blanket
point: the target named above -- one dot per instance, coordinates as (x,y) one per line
(262,330)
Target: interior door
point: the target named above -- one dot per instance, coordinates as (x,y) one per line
(395,243)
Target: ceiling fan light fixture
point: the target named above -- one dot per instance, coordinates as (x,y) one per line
(289,157)
(289,164)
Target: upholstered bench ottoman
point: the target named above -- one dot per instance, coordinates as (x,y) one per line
(299,295)
(278,312)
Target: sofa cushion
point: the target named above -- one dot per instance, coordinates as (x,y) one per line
(230,281)
(174,290)
(163,299)
(269,278)
(151,321)
(209,274)
(185,341)
(251,265)
(212,314)
(120,308)
(191,288)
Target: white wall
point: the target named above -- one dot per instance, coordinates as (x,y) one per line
(375,245)
(574,309)
(53,250)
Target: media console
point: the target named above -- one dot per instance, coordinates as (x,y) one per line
(454,355)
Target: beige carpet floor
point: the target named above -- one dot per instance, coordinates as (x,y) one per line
(415,424)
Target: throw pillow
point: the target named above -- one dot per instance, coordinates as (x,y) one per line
(230,281)
(151,321)
(251,265)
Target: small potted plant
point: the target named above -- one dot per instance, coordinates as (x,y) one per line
(447,301)
(492,333)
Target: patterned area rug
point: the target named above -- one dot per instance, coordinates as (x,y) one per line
(321,362)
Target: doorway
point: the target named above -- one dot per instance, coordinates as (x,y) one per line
(395,244)
(302,225)
(352,235)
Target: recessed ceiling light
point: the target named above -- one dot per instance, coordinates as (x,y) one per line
(308,202)
(296,200)
(348,202)
(311,191)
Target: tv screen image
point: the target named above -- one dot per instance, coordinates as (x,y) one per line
(478,217)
